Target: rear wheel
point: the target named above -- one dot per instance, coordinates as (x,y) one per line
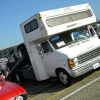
(19,77)
(64,78)
(22,51)
(20,54)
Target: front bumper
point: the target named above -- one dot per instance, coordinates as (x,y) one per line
(84,68)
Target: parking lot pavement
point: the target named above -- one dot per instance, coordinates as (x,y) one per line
(34,87)
(81,89)
(53,90)
(89,91)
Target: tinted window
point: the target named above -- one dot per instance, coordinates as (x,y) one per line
(69,37)
(31,26)
(46,47)
(61,40)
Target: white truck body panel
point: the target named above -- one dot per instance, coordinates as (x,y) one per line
(85,46)
(37,64)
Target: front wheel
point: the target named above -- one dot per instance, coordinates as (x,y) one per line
(64,78)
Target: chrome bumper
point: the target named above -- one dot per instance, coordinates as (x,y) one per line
(84,68)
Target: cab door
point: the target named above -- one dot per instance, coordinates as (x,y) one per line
(48,58)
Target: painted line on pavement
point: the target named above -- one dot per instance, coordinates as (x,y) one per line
(68,88)
(79,89)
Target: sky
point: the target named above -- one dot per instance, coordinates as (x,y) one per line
(15,12)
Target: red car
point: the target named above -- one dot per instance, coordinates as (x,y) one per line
(11,91)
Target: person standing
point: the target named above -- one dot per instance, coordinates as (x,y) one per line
(3,67)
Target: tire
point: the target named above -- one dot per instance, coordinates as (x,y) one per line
(19,77)
(20,54)
(64,77)
(22,51)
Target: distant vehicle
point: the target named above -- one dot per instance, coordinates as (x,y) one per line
(57,43)
(4,59)
(11,91)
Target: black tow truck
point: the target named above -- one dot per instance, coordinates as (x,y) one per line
(19,65)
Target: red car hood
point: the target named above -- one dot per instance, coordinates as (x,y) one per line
(9,90)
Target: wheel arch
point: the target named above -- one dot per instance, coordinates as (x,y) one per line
(59,69)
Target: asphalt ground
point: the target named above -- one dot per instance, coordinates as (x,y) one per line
(85,87)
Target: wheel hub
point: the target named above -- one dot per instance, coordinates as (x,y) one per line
(63,77)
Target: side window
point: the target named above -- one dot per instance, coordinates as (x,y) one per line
(46,47)
(31,26)
(43,47)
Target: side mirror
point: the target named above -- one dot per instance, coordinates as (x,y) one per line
(40,52)
(39,48)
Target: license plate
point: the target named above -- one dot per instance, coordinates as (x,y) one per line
(95,66)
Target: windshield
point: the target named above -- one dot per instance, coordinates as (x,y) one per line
(71,37)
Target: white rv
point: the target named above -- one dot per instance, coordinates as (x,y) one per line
(62,42)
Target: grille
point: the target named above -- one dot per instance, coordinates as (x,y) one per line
(88,56)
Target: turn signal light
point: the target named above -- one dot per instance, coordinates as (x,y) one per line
(70,63)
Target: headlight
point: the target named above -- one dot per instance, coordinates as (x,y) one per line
(76,61)
(17,98)
(20,97)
